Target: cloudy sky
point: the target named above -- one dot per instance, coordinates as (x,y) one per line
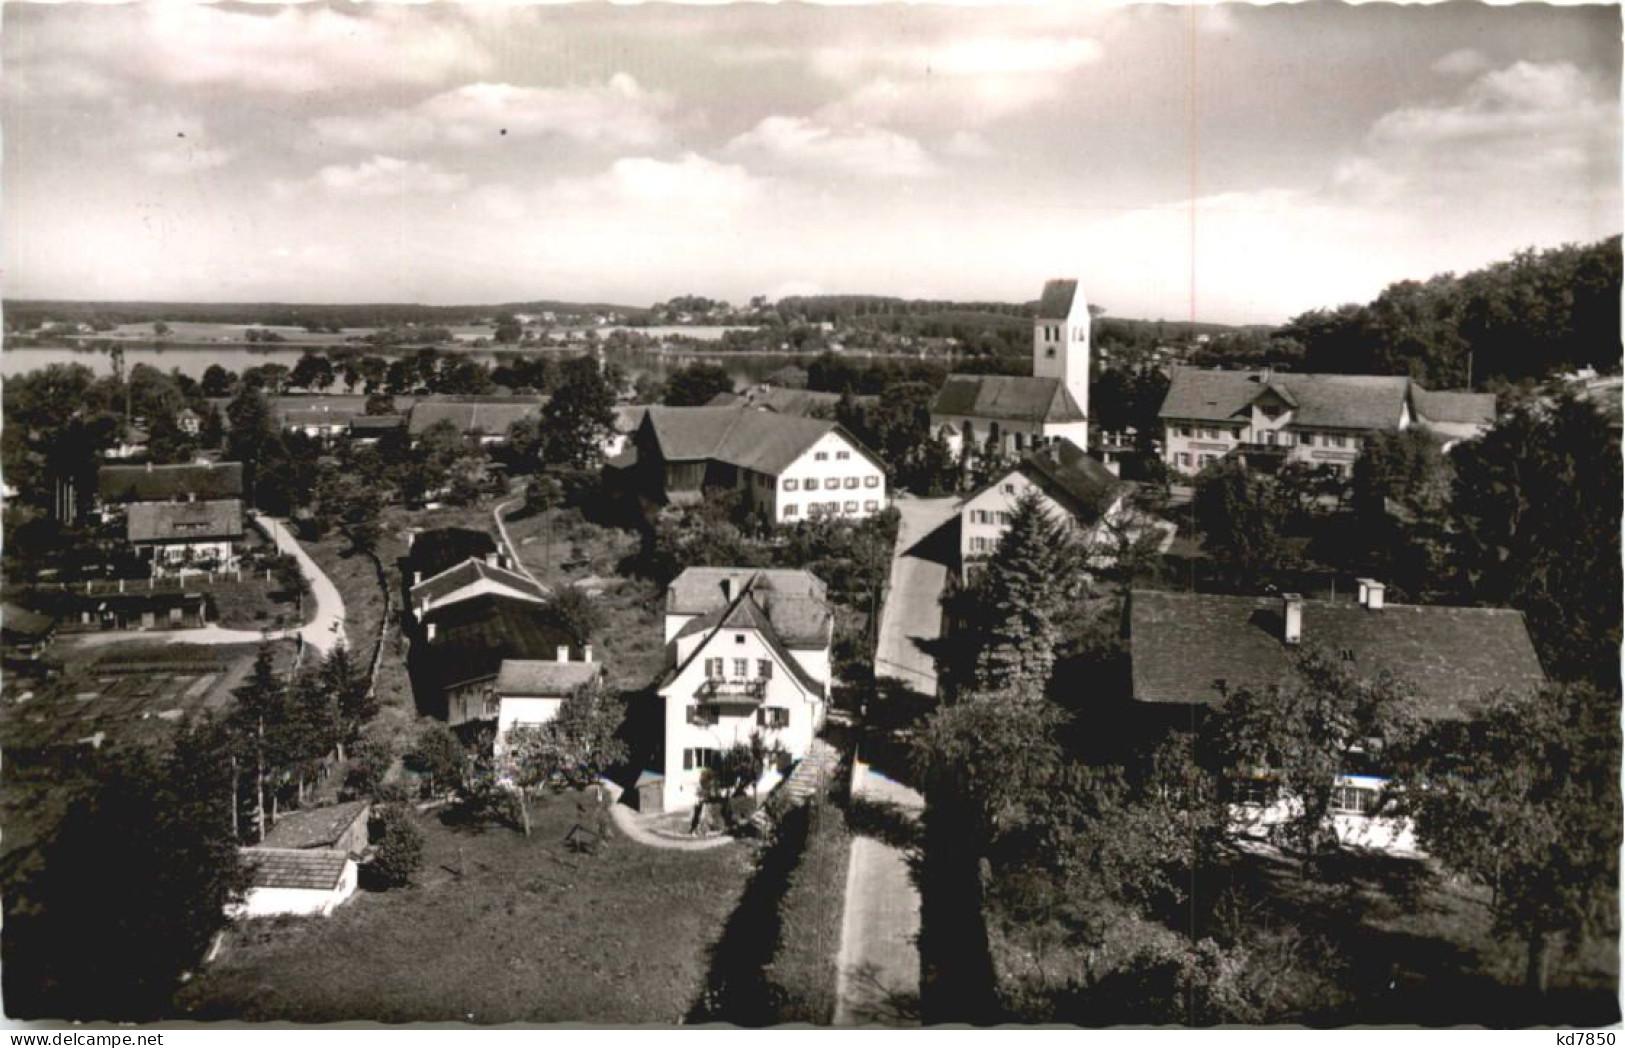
(1230,163)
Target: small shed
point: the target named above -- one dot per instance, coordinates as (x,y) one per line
(296,882)
(649,792)
(337,827)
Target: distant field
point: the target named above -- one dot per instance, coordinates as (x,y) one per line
(189,331)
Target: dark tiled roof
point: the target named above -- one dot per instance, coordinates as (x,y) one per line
(473,637)
(544,678)
(22,623)
(763,441)
(1182,644)
(316,417)
(1333,401)
(376,423)
(436,550)
(1013,397)
(803,402)
(466,574)
(314,868)
(490,416)
(795,600)
(628,417)
(1056,302)
(1453,406)
(315,827)
(1069,475)
(201,480)
(184,521)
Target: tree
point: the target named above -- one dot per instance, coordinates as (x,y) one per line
(313,371)
(696,384)
(572,610)
(573,750)
(438,757)
(380,404)
(353,699)
(159,328)
(579,417)
(369,762)
(250,433)
(1241,521)
(1525,799)
(167,442)
(261,702)
(399,853)
(352,503)
(218,381)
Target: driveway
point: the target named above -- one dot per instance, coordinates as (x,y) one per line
(911,621)
(877,972)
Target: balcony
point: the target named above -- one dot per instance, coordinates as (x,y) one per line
(726,690)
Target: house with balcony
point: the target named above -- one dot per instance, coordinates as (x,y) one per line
(186,534)
(1189,651)
(1268,418)
(747,652)
(788,469)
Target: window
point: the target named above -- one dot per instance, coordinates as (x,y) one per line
(871,506)
(832,507)
(842,456)
(1254,791)
(791,484)
(1306,439)
(810,484)
(1003,517)
(1271,411)
(1050,352)
(815,509)
(1184,431)
(978,545)
(820,456)
(1235,433)
(699,757)
(741,668)
(1286,438)
(1008,489)
(1184,458)
(764,669)
(791,509)
(852,507)
(851,482)
(1338,440)
(1353,800)
(871,482)
(773,717)
(831,483)
(713,669)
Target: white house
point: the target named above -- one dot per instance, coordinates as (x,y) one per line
(789,469)
(173,533)
(529,692)
(299,882)
(747,652)
(1073,488)
(1015,413)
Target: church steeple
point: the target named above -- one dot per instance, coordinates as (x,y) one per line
(1061,339)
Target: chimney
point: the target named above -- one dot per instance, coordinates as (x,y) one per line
(494,559)
(586,653)
(417,577)
(564,653)
(428,632)
(1292,612)
(727,589)
(1373,594)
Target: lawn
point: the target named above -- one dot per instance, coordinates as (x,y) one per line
(500,928)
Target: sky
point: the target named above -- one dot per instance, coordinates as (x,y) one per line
(1228,163)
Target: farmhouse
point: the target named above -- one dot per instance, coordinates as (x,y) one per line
(1005,415)
(788,469)
(118,486)
(1188,651)
(336,827)
(296,882)
(485,417)
(1267,418)
(463,646)
(176,533)
(747,652)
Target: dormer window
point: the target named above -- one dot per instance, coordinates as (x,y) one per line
(1050,352)
(1270,411)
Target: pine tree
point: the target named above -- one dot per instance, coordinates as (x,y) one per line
(1031,582)
(260,706)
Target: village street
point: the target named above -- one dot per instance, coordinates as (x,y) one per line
(911,620)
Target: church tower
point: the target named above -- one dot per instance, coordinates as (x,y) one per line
(1061,339)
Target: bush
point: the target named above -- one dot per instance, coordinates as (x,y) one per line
(400,849)
(370,760)
(802,974)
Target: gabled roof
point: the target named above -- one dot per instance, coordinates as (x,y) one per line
(200,480)
(1183,644)
(316,417)
(543,678)
(1056,301)
(184,521)
(796,601)
(317,869)
(376,423)
(1013,397)
(1069,475)
(473,637)
(763,441)
(437,549)
(315,827)
(743,612)
(1333,401)
(488,415)
(1453,406)
(469,572)
(802,402)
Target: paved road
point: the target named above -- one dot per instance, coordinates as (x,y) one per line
(912,617)
(877,977)
(321,634)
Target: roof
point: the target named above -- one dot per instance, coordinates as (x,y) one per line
(489,415)
(802,402)
(318,869)
(1454,406)
(1182,644)
(1014,397)
(20,622)
(1069,475)
(469,572)
(316,417)
(1056,301)
(184,521)
(202,480)
(763,441)
(628,417)
(377,422)
(437,549)
(1331,401)
(752,608)
(315,827)
(473,637)
(795,601)
(544,678)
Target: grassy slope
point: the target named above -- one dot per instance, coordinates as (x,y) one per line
(529,933)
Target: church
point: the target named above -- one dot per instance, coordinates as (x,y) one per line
(1010,414)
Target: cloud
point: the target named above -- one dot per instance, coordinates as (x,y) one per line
(980,56)
(1524,99)
(184,160)
(1461,62)
(618,113)
(804,146)
(381,176)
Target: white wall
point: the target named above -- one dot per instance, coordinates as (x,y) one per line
(1032,434)
(860,490)
(299,902)
(523,711)
(1389,834)
(735,723)
(1061,350)
(1002,497)
(474,589)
